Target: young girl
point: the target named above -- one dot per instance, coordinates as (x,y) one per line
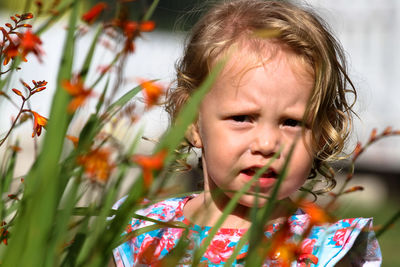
(284,84)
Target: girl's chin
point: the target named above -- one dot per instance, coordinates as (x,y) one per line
(251,201)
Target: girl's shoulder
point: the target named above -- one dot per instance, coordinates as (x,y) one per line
(159,240)
(347,239)
(163,210)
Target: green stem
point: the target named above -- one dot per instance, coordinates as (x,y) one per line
(388,224)
(14,122)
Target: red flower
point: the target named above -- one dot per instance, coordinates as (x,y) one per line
(148,164)
(73,139)
(97,164)
(94,12)
(285,253)
(354,189)
(79,93)
(131,29)
(4,234)
(357,151)
(387,131)
(38,122)
(152,92)
(10,52)
(15,148)
(30,43)
(147,26)
(372,137)
(316,213)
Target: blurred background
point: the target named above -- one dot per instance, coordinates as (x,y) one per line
(369,33)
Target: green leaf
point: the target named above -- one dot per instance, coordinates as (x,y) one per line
(39,203)
(150,11)
(89,56)
(100,102)
(95,123)
(117,105)
(388,224)
(61,9)
(9,172)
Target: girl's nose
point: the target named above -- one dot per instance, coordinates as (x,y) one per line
(265,142)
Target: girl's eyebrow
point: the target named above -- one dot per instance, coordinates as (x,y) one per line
(236,109)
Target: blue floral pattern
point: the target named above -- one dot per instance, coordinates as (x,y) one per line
(327,243)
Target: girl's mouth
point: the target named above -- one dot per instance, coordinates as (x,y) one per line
(266,179)
(270,173)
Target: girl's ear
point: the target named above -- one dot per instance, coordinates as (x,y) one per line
(193,136)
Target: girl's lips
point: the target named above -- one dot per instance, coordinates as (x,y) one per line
(266,179)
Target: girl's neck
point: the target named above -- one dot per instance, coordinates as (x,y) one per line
(205,209)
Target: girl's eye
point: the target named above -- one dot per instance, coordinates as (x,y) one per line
(292,123)
(240,118)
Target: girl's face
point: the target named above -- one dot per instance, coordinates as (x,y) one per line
(249,116)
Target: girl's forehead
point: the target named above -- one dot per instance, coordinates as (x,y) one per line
(241,60)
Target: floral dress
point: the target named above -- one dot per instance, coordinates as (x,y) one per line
(325,245)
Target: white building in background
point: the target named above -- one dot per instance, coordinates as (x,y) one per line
(370,34)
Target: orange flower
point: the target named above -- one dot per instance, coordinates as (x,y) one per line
(97,164)
(77,90)
(31,43)
(285,251)
(147,26)
(357,151)
(18,92)
(16,148)
(73,139)
(281,248)
(94,12)
(4,233)
(148,164)
(38,123)
(10,52)
(387,131)
(285,254)
(131,30)
(316,213)
(354,189)
(372,137)
(13,196)
(152,92)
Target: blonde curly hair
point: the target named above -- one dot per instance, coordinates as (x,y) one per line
(282,22)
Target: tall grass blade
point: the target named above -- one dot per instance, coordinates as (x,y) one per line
(62,8)
(388,224)
(89,56)
(40,199)
(151,10)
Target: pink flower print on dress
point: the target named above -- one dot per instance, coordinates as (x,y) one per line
(150,250)
(219,252)
(340,236)
(306,257)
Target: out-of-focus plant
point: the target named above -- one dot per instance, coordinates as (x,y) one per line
(42,215)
